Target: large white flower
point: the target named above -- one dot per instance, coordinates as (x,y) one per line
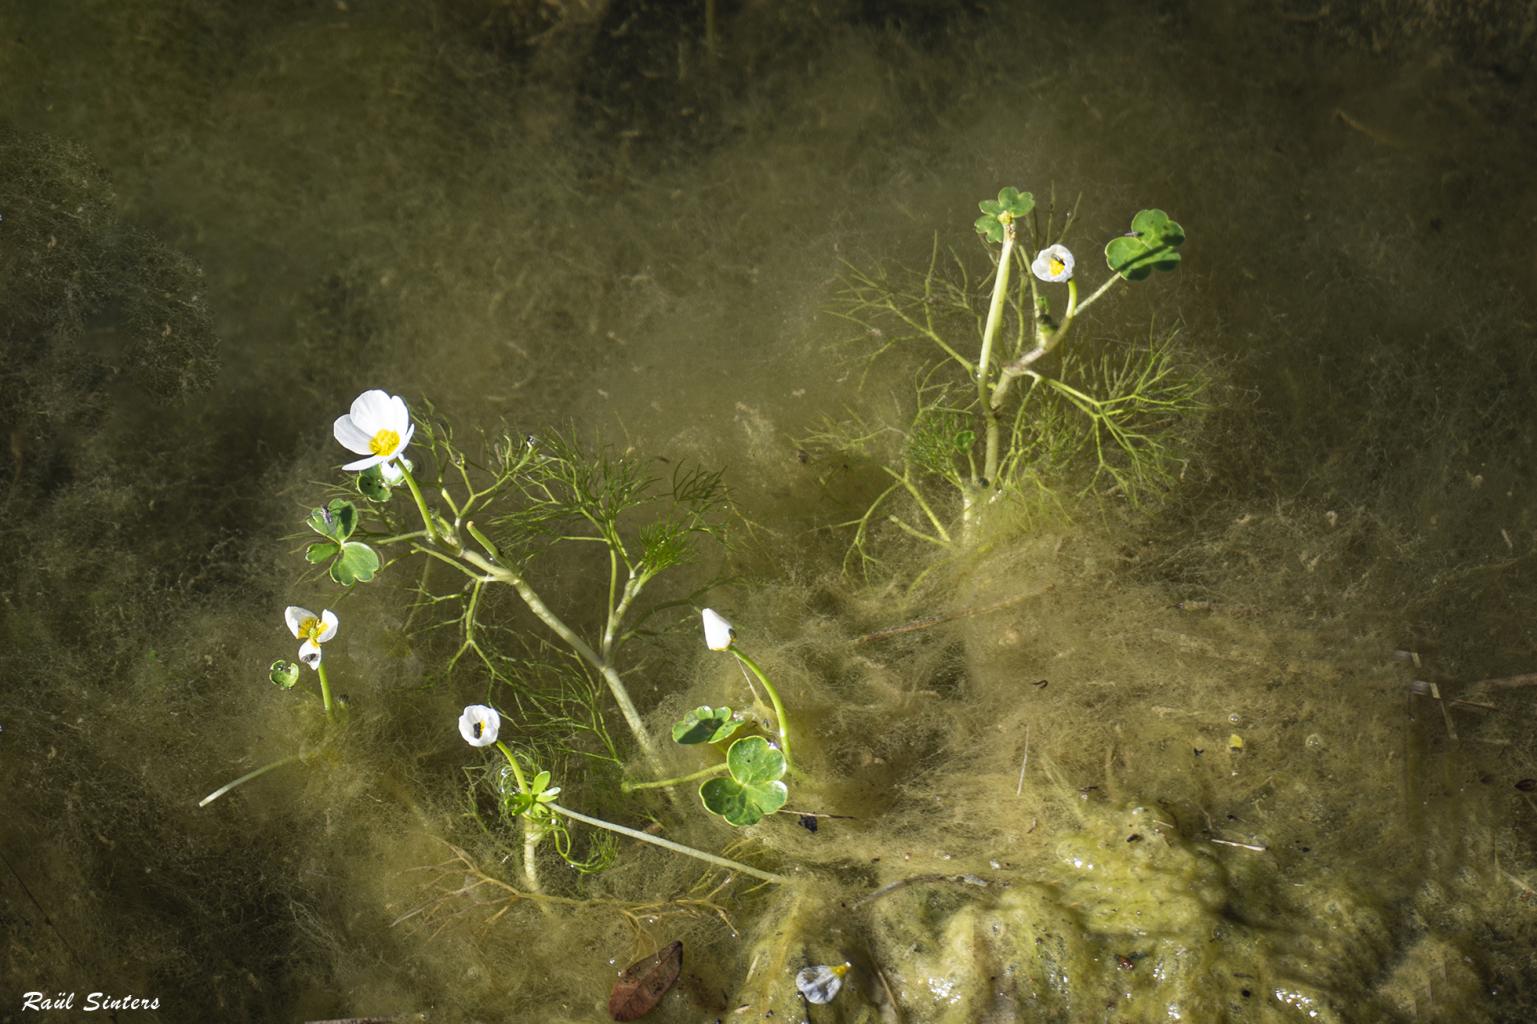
(479,725)
(718,633)
(1053,263)
(378,427)
(313,629)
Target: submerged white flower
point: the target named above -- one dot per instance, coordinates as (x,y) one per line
(821,983)
(479,725)
(378,427)
(718,633)
(1053,263)
(313,629)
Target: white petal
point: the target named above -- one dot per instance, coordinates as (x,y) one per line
(406,435)
(294,615)
(361,464)
(479,725)
(370,411)
(399,417)
(717,631)
(328,624)
(351,436)
(309,653)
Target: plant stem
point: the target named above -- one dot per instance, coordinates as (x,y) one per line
(421,503)
(248,776)
(668,844)
(703,773)
(325,688)
(985,362)
(532,831)
(535,603)
(779,708)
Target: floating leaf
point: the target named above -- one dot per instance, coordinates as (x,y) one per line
(321,551)
(372,485)
(1153,244)
(336,521)
(357,563)
(1010,205)
(643,984)
(284,673)
(705,724)
(753,789)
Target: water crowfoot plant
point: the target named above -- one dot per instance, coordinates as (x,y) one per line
(537,798)
(1026,413)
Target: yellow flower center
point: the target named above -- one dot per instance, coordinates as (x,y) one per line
(1056,265)
(384,442)
(311,628)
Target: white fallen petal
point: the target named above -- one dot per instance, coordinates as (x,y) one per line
(821,983)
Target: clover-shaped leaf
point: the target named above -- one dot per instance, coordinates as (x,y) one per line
(705,724)
(1010,205)
(356,563)
(336,521)
(1152,244)
(321,551)
(753,788)
(284,673)
(372,485)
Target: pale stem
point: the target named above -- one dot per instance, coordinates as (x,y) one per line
(248,776)
(532,832)
(779,708)
(989,333)
(703,773)
(668,844)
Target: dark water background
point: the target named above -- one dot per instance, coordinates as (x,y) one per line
(223,220)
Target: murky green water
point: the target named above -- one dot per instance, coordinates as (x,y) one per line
(1122,753)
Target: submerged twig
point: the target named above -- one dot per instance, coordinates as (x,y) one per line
(902,883)
(965,613)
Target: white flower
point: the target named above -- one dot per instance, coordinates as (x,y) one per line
(313,629)
(718,633)
(378,427)
(479,725)
(1053,263)
(821,983)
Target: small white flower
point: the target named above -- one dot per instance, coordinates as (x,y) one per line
(378,427)
(718,633)
(1053,263)
(479,725)
(313,629)
(821,983)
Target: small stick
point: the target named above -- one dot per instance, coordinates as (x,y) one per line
(1508,682)
(1245,846)
(902,883)
(1019,788)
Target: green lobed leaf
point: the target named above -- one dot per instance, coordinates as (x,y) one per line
(753,761)
(753,789)
(336,521)
(321,551)
(1153,244)
(357,563)
(1010,205)
(284,673)
(705,724)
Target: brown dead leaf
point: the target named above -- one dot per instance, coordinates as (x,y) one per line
(643,984)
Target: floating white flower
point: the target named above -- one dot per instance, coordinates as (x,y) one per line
(1053,263)
(313,629)
(821,983)
(378,427)
(718,633)
(479,725)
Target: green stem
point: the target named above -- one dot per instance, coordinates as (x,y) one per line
(703,773)
(325,687)
(779,708)
(531,598)
(517,769)
(421,503)
(668,844)
(985,362)
(532,831)
(248,776)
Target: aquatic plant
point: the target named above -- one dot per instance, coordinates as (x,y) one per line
(989,420)
(753,767)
